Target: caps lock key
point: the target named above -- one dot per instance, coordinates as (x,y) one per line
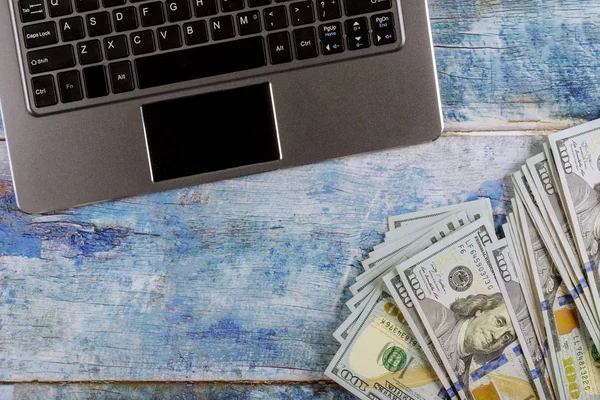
(40,35)
(356,7)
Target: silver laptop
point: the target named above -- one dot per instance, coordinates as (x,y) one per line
(105,99)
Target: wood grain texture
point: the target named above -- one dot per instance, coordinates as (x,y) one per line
(237,280)
(516,64)
(172,391)
(245,280)
(528,64)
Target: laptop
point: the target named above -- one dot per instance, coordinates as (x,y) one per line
(105,99)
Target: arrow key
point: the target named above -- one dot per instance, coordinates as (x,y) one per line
(332,46)
(358,42)
(357,27)
(385,36)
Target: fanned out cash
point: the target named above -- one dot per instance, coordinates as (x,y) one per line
(444,309)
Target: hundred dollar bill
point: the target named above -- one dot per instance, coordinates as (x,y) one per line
(437,231)
(381,358)
(580,360)
(364,286)
(548,194)
(531,193)
(396,288)
(476,209)
(522,273)
(513,230)
(509,283)
(454,291)
(342,332)
(546,281)
(577,157)
(380,254)
(528,194)
(388,249)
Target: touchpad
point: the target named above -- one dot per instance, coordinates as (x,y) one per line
(211,132)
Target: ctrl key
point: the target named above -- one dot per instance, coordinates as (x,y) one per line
(44,92)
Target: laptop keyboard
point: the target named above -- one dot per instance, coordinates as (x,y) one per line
(78,53)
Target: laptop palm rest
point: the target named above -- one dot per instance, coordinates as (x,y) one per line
(211,132)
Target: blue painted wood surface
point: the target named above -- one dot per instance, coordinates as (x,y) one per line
(175,391)
(245,280)
(236,280)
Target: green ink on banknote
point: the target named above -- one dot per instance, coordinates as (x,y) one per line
(394,359)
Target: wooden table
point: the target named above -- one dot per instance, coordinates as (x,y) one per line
(237,286)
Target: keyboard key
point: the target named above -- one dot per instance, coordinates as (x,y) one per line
(279,47)
(357,26)
(86,5)
(195,33)
(95,82)
(152,14)
(382,21)
(69,86)
(384,36)
(142,42)
(178,10)
(32,10)
(328,9)
(258,3)
(169,37)
(125,19)
(44,92)
(222,27)
(232,5)
(71,29)
(51,59)
(116,47)
(89,52)
(302,13)
(59,8)
(356,7)
(332,46)
(113,3)
(275,18)
(329,31)
(40,35)
(200,62)
(203,8)
(99,24)
(306,43)
(249,23)
(358,41)
(121,77)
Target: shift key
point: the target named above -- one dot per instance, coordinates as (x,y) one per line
(356,7)
(51,59)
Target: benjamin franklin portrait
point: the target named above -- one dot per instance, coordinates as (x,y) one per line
(474,329)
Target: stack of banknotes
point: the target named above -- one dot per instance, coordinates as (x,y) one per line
(444,309)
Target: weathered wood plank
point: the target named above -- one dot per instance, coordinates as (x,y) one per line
(506,63)
(517,61)
(237,280)
(180,391)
